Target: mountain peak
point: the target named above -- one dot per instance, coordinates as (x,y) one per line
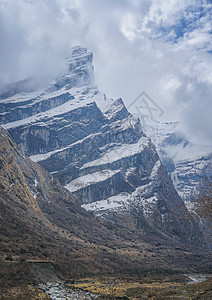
(98,151)
(79,51)
(80,70)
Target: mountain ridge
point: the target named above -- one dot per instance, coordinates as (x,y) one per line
(62,232)
(96,148)
(187,163)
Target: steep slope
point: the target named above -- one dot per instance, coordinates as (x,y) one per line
(40,219)
(188,164)
(98,151)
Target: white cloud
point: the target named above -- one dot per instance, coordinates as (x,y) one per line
(36,37)
(165,12)
(158,46)
(129,26)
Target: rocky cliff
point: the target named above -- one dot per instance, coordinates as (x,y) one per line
(187,163)
(42,221)
(98,151)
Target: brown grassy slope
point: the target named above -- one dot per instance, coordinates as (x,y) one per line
(41,219)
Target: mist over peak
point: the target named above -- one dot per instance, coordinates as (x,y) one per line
(162,48)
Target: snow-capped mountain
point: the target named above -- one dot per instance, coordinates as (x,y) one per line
(188,164)
(98,151)
(41,220)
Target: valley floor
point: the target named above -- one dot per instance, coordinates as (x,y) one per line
(41,281)
(147,288)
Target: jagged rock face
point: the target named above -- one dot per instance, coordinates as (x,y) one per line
(98,151)
(80,70)
(188,164)
(41,220)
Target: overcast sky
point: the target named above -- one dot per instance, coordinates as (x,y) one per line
(161,47)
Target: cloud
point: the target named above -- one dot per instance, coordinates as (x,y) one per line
(159,46)
(36,37)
